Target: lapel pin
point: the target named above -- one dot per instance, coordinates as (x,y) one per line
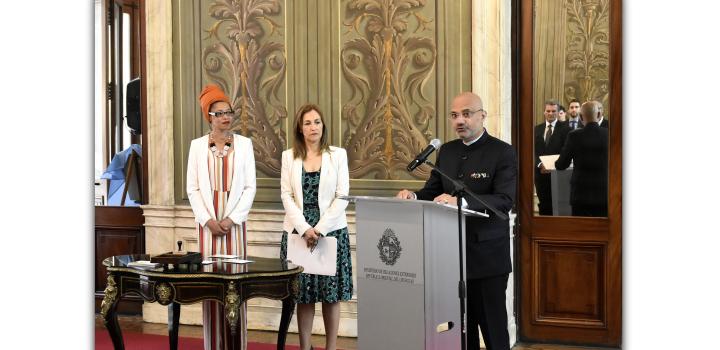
(479,175)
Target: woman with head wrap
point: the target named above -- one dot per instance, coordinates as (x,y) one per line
(221,189)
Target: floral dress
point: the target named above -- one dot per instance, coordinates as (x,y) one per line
(318,288)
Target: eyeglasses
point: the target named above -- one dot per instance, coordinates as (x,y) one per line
(465,114)
(219,114)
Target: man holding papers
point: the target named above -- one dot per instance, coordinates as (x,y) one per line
(587,148)
(550,136)
(488,167)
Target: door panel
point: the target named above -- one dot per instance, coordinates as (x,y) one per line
(570,284)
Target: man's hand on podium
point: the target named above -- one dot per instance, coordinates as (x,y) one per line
(405,194)
(445,199)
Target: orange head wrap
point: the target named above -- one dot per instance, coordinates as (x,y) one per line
(210,94)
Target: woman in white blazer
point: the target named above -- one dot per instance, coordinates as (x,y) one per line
(221,189)
(313,176)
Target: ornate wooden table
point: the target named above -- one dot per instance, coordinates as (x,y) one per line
(230,284)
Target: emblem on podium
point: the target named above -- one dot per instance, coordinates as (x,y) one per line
(389,247)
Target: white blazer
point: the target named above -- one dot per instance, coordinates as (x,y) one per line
(243,187)
(334,182)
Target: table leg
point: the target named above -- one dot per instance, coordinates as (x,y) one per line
(234,341)
(107,311)
(173,324)
(232,314)
(288,307)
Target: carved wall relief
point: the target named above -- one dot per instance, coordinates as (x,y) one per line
(572,51)
(587,51)
(382,71)
(240,55)
(387,60)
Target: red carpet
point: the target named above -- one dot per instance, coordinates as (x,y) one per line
(138,341)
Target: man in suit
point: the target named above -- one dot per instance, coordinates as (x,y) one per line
(562,113)
(574,121)
(550,136)
(602,121)
(488,167)
(587,148)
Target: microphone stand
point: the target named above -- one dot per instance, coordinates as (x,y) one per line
(461,191)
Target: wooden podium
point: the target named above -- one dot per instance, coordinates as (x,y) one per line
(408,271)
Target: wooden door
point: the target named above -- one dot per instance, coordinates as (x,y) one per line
(570,267)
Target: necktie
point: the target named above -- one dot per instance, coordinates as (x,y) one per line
(548,133)
(572,124)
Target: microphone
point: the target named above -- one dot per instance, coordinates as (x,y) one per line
(434,144)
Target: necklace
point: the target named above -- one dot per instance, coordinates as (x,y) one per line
(213,145)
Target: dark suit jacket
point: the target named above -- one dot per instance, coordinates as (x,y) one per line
(605,123)
(488,168)
(579,123)
(557,140)
(588,149)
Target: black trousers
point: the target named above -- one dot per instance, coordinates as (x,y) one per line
(543,188)
(589,210)
(486,309)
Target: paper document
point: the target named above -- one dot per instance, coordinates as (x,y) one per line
(237,261)
(226,261)
(143,264)
(322,260)
(549,161)
(222,256)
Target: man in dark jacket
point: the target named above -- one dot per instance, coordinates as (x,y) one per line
(550,136)
(587,148)
(602,121)
(574,121)
(488,167)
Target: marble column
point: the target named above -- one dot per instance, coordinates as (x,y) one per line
(158,17)
(491,63)
(159,212)
(492,81)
